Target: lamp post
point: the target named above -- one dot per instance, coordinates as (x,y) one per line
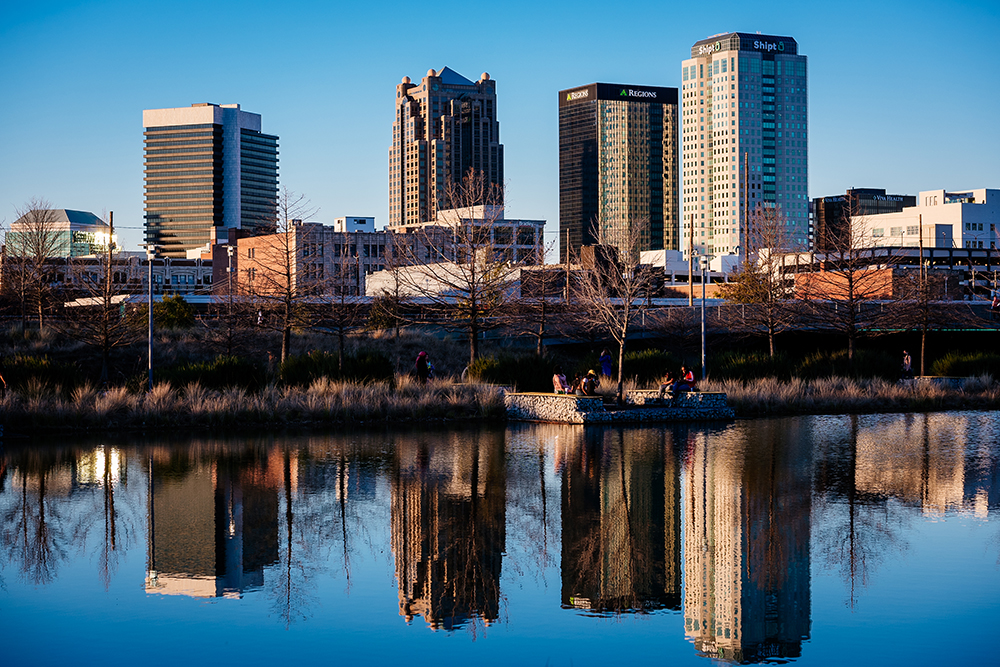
(150,255)
(703,262)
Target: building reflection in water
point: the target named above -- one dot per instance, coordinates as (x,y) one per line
(213,520)
(620,520)
(448,526)
(746,542)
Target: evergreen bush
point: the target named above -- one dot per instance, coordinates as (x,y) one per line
(221,373)
(363,366)
(967,364)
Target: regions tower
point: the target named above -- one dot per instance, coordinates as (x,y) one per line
(617,166)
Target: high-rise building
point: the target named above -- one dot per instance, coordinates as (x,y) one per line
(209,169)
(832,215)
(617,165)
(443,127)
(744,120)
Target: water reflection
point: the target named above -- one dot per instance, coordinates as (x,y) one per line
(746,542)
(448,527)
(620,520)
(213,520)
(719,527)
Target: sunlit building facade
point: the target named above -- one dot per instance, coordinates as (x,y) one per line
(208,169)
(444,127)
(617,166)
(745,138)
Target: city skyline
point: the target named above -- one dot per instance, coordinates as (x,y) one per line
(72,128)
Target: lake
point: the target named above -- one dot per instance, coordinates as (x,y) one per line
(821,540)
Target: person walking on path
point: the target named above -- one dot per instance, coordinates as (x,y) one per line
(605,361)
(421,369)
(907,366)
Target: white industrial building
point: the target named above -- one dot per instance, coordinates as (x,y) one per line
(948,219)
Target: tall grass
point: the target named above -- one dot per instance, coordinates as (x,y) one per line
(835,395)
(323,402)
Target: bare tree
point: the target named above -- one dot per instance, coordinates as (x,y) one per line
(101,320)
(387,309)
(231,315)
(33,240)
(343,305)
(274,276)
(534,316)
(758,285)
(854,272)
(611,290)
(467,269)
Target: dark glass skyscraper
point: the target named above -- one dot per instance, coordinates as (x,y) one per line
(617,165)
(209,168)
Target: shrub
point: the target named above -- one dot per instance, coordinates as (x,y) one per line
(526,372)
(20,370)
(967,364)
(737,365)
(222,372)
(173,312)
(362,366)
(867,364)
(648,366)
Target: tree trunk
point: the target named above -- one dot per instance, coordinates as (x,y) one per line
(619,396)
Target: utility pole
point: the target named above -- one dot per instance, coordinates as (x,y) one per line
(567,266)
(745,241)
(691,264)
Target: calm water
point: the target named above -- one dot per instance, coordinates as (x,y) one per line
(816,540)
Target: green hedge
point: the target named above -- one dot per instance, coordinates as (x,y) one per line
(363,366)
(221,373)
(966,364)
(737,365)
(21,369)
(867,364)
(526,372)
(649,366)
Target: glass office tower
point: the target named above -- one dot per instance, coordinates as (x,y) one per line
(744,129)
(208,169)
(617,165)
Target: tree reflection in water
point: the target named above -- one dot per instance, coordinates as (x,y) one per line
(739,510)
(34,534)
(621,521)
(448,527)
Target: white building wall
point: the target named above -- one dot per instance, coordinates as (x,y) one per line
(960,219)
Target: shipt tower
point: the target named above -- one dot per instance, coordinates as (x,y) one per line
(744,138)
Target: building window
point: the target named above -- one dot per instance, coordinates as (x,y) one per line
(878,232)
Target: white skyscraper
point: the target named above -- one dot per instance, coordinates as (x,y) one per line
(743,121)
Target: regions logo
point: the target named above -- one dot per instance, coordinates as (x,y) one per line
(628,92)
(577,95)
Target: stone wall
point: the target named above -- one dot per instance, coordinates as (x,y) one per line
(641,406)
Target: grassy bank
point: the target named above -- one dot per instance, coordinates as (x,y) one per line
(322,403)
(771,397)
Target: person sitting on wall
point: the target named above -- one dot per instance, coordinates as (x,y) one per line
(667,383)
(589,384)
(685,382)
(559,383)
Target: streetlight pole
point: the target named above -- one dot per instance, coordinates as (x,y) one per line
(150,254)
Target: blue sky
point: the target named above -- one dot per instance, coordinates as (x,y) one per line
(904,96)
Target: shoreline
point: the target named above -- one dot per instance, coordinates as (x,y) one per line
(326,404)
